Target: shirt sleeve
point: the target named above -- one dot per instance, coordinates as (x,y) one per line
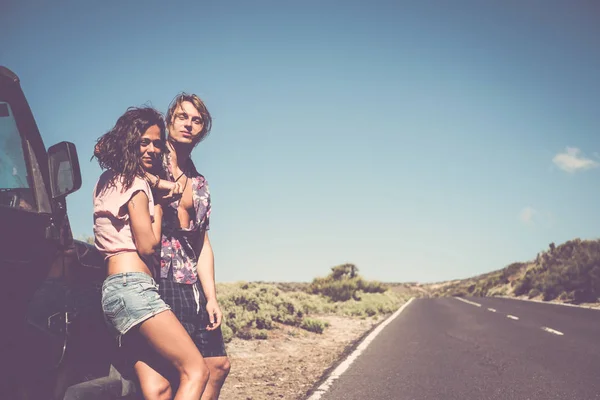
(113,200)
(205,206)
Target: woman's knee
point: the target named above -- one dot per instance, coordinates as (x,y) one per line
(198,373)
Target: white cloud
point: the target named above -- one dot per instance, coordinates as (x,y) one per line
(539,218)
(572,160)
(527,214)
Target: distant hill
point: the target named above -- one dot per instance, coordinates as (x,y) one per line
(567,273)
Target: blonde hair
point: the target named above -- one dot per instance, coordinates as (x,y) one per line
(199,105)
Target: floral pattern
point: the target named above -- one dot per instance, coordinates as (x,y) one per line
(176,250)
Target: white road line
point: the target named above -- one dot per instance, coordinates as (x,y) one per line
(468,301)
(357,352)
(492,309)
(550,330)
(596,308)
(512,317)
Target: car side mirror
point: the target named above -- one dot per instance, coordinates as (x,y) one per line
(65,175)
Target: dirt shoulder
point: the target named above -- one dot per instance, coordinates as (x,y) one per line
(291,361)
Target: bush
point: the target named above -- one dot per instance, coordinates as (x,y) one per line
(371,286)
(344,283)
(313,325)
(523,286)
(567,297)
(245,334)
(260,334)
(336,290)
(570,272)
(250,310)
(370,304)
(227,332)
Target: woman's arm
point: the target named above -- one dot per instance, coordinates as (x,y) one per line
(173,188)
(146,232)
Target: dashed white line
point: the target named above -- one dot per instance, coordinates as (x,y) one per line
(544,328)
(468,302)
(550,330)
(348,361)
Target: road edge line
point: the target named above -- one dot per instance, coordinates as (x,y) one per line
(343,366)
(546,302)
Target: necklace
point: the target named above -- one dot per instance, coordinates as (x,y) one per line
(186,179)
(182,173)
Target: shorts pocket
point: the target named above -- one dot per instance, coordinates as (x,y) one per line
(149,291)
(112,307)
(148,286)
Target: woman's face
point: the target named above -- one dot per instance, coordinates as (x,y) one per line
(151,147)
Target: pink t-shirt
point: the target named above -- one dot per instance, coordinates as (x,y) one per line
(111,219)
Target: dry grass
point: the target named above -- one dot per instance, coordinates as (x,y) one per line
(291,361)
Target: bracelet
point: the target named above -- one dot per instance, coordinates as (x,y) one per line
(157,181)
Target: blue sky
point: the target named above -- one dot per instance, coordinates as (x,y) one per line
(420,140)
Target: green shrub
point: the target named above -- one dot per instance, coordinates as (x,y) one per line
(523,286)
(245,334)
(566,296)
(251,309)
(263,320)
(344,283)
(342,290)
(227,332)
(371,286)
(260,334)
(569,272)
(313,325)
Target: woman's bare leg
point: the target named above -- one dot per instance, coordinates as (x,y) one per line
(168,337)
(154,386)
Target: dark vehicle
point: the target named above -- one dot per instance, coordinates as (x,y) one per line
(54,343)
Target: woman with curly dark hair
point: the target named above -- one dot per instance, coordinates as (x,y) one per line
(127,229)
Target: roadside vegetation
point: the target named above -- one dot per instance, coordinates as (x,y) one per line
(252,309)
(569,273)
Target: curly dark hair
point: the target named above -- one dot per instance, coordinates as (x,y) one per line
(118,149)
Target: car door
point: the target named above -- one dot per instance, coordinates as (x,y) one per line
(29,234)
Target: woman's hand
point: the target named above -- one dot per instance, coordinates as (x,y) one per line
(165,191)
(169,190)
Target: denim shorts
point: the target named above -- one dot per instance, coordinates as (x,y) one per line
(129,299)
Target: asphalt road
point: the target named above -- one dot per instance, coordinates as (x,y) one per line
(444,349)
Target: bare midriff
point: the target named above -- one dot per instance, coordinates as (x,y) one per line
(129,261)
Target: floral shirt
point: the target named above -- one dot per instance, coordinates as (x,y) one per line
(177,251)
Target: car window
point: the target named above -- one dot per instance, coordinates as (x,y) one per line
(15,190)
